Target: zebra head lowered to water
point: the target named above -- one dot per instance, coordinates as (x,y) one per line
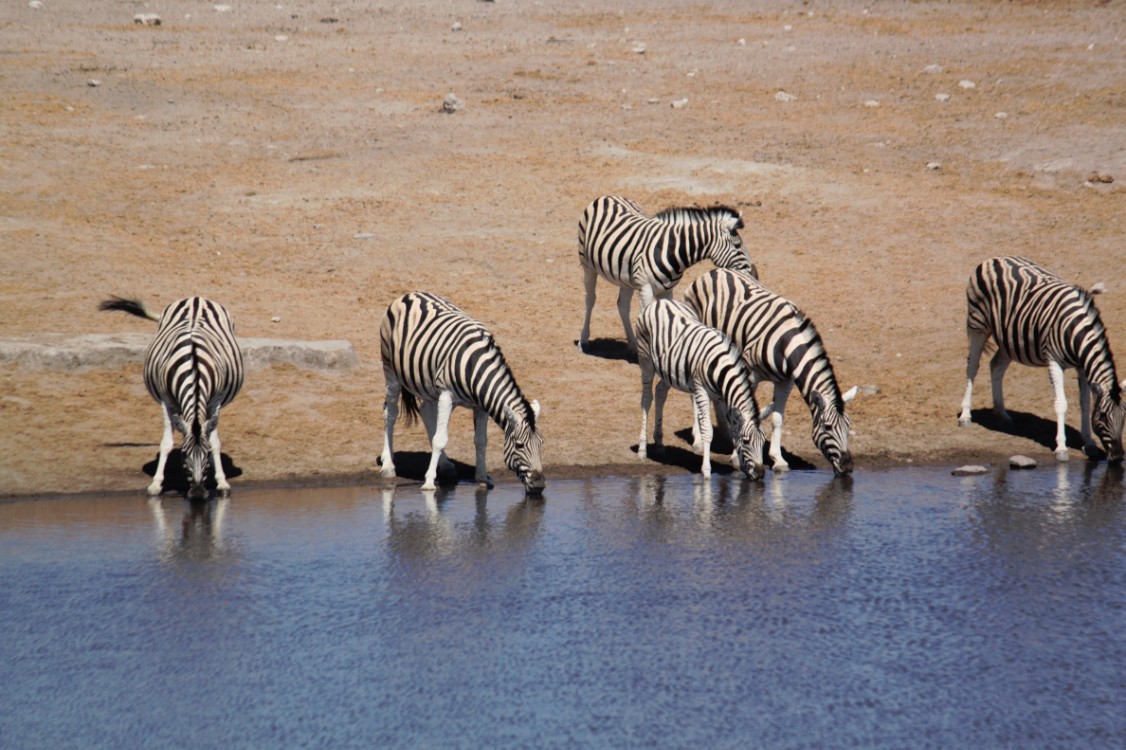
(433,353)
(193,368)
(626,246)
(699,360)
(1038,319)
(778,344)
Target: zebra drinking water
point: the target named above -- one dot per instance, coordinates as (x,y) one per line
(193,368)
(779,344)
(1038,319)
(699,360)
(621,243)
(432,351)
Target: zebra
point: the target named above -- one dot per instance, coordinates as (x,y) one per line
(781,345)
(193,368)
(435,353)
(692,357)
(621,243)
(1038,319)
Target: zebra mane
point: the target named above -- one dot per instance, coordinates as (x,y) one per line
(816,341)
(693,214)
(1087,297)
(528,412)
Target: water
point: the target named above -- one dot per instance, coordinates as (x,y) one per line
(906,608)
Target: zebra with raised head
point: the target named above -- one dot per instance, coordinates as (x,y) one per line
(434,353)
(699,360)
(779,344)
(193,368)
(621,243)
(1038,319)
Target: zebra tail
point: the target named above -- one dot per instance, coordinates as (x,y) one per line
(131,306)
(410,406)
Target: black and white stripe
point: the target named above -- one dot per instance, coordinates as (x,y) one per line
(621,243)
(193,368)
(1038,319)
(434,353)
(778,344)
(699,360)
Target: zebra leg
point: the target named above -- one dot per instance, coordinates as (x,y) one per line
(221,484)
(440,436)
(480,435)
(973,360)
(646,401)
(165,448)
(703,410)
(429,412)
(590,278)
(997,367)
(781,396)
(1055,375)
(390,416)
(625,297)
(659,417)
(1089,448)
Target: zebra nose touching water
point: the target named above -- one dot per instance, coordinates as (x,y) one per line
(435,353)
(193,368)
(699,360)
(626,246)
(1038,319)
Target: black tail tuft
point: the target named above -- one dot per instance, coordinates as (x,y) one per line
(410,406)
(131,306)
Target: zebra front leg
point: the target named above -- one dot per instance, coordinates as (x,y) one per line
(973,361)
(429,412)
(997,367)
(222,486)
(659,417)
(390,416)
(625,298)
(781,395)
(646,401)
(1055,375)
(590,279)
(703,409)
(441,421)
(165,448)
(480,435)
(1089,448)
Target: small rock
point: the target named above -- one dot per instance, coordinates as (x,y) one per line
(93,83)
(967,84)
(1001,115)
(363,236)
(970,470)
(35,5)
(281,38)
(933,69)
(679,103)
(452,104)
(1021,462)
(146,19)
(223,9)
(782,96)
(639,49)
(942,97)
(1102,177)
(742,42)
(654,100)
(872,103)
(456,26)
(934,165)
(275,319)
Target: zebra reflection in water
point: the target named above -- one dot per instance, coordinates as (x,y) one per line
(199,534)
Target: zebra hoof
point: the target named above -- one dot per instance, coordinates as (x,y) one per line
(780,466)
(154,489)
(964,421)
(387,472)
(1062,455)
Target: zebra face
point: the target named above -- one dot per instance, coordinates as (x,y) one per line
(196,459)
(1107,420)
(830,432)
(749,447)
(727,250)
(522,443)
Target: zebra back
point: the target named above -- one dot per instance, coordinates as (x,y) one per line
(629,247)
(1035,316)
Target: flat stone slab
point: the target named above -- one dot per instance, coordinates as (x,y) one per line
(971,470)
(99,350)
(1021,462)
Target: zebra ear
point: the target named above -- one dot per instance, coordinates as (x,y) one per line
(849,395)
(1098,288)
(536,408)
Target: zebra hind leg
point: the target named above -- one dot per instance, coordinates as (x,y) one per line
(625,298)
(997,367)
(222,486)
(390,416)
(973,361)
(590,279)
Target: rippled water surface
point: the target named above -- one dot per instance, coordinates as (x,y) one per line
(905,608)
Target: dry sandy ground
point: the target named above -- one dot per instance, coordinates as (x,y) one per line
(244,153)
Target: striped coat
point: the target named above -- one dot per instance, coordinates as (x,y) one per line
(1038,319)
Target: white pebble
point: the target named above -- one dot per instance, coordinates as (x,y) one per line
(281,38)
(146,19)
(933,165)
(456,26)
(275,319)
(871,103)
(679,103)
(969,470)
(363,236)
(933,69)
(742,42)
(452,104)
(1001,115)
(93,83)
(35,5)
(782,96)
(967,84)
(639,49)
(942,97)
(1022,462)
(223,9)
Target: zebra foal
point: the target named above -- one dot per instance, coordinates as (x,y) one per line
(626,246)
(699,360)
(193,368)
(779,344)
(1038,319)
(434,353)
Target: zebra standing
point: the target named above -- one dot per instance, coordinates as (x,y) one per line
(625,245)
(781,345)
(692,357)
(193,368)
(432,351)
(1038,319)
